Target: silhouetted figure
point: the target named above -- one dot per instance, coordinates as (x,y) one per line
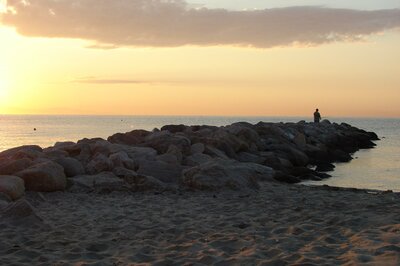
(317,116)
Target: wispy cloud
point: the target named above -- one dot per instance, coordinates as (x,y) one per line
(170,23)
(99,81)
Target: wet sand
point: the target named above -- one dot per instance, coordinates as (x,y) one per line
(278,225)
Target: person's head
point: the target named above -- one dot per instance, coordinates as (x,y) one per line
(316,110)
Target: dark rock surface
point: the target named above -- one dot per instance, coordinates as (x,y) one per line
(236,156)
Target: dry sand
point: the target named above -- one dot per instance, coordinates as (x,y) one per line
(278,225)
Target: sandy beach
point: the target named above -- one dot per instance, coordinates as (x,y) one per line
(278,225)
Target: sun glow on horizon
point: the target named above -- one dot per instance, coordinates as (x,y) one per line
(4,85)
(3,6)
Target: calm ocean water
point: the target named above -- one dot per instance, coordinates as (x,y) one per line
(377,168)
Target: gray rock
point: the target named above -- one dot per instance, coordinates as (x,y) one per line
(161,141)
(81,183)
(165,172)
(5,197)
(72,167)
(12,186)
(54,154)
(98,164)
(219,174)
(140,153)
(139,182)
(226,142)
(247,157)
(134,137)
(197,148)
(121,159)
(104,147)
(122,172)
(295,156)
(214,152)
(245,132)
(176,151)
(197,159)
(300,141)
(102,182)
(44,177)
(168,158)
(80,151)
(10,166)
(3,204)
(286,178)
(64,144)
(174,128)
(27,151)
(107,182)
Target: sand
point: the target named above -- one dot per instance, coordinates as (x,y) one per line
(278,225)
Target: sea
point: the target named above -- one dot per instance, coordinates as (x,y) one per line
(377,168)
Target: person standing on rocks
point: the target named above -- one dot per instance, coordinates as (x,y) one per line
(317,116)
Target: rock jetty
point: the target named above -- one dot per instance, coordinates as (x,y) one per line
(236,157)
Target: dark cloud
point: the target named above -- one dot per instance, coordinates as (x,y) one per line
(170,23)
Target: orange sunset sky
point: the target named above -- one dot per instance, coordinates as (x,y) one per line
(142,57)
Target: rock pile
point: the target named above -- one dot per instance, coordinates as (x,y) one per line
(237,156)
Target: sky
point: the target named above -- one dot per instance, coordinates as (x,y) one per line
(200,57)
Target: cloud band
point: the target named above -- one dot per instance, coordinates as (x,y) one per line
(171,23)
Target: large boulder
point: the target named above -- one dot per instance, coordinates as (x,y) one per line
(130,138)
(300,141)
(214,152)
(197,148)
(54,154)
(139,182)
(226,142)
(31,152)
(10,166)
(219,174)
(140,153)
(165,172)
(295,156)
(72,167)
(101,146)
(122,159)
(197,159)
(3,204)
(162,140)
(247,157)
(102,182)
(175,151)
(63,144)
(80,151)
(245,132)
(44,177)
(174,128)
(168,158)
(12,186)
(98,164)
(58,150)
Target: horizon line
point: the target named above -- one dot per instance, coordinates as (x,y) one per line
(199,115)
